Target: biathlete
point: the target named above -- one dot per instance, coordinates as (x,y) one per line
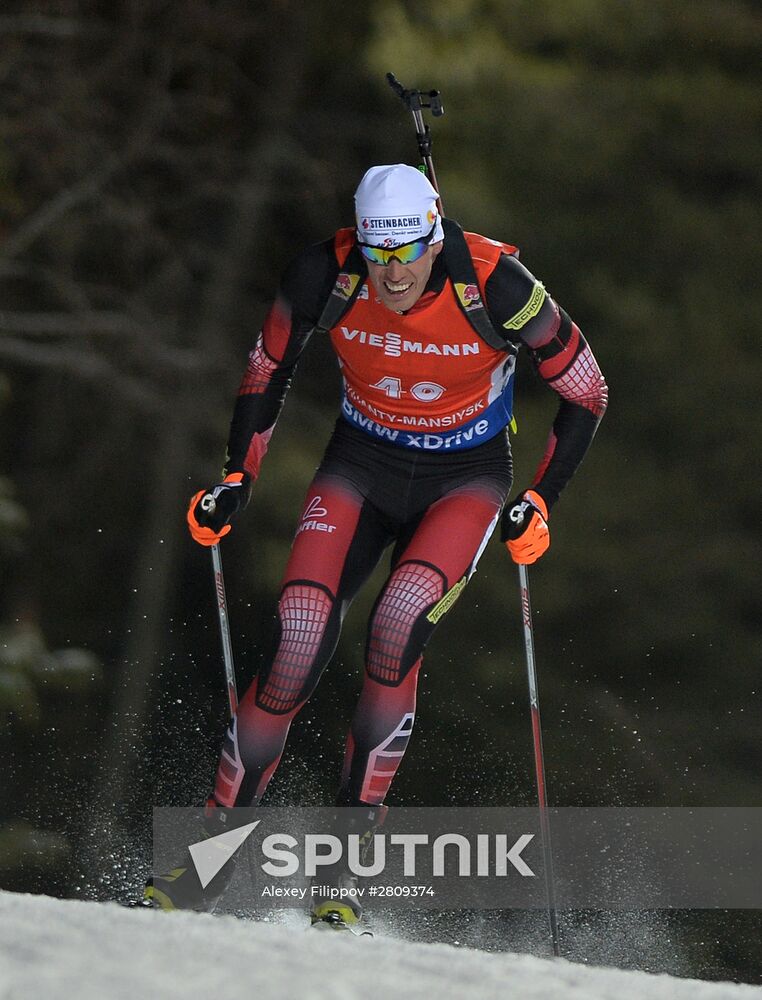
(425,321)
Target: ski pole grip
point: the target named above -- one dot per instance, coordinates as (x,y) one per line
(208,503)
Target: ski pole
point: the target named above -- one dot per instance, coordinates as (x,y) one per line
(227,645)
(539,761)
(415,101)
(208,504)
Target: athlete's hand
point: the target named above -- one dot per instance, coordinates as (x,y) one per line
(210,510)
(524,528)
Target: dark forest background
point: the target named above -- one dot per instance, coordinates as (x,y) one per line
(160,164)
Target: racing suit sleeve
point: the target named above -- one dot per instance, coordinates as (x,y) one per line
(288,325)
(519,304)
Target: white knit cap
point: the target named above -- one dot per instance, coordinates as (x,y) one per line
(396,204)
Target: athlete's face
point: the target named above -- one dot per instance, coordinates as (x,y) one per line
(399,286)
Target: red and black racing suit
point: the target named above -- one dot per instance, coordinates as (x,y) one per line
(431,486)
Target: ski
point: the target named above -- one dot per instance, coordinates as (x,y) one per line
(333,921)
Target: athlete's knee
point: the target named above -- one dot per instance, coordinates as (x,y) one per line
(399,627)
(306,627)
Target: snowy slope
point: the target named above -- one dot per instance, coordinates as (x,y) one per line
(98,951)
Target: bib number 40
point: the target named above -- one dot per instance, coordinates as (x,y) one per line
(424,392)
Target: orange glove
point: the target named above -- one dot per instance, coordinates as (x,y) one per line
(524,528)
(210,510)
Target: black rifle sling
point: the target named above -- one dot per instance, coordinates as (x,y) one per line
(349,281)
(462,274)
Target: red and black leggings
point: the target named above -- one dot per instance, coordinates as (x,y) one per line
(438,511)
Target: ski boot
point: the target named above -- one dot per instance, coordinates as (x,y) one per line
(180,888)
(339,912)
(337,907)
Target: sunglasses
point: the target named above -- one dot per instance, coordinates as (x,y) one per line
(408,253)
